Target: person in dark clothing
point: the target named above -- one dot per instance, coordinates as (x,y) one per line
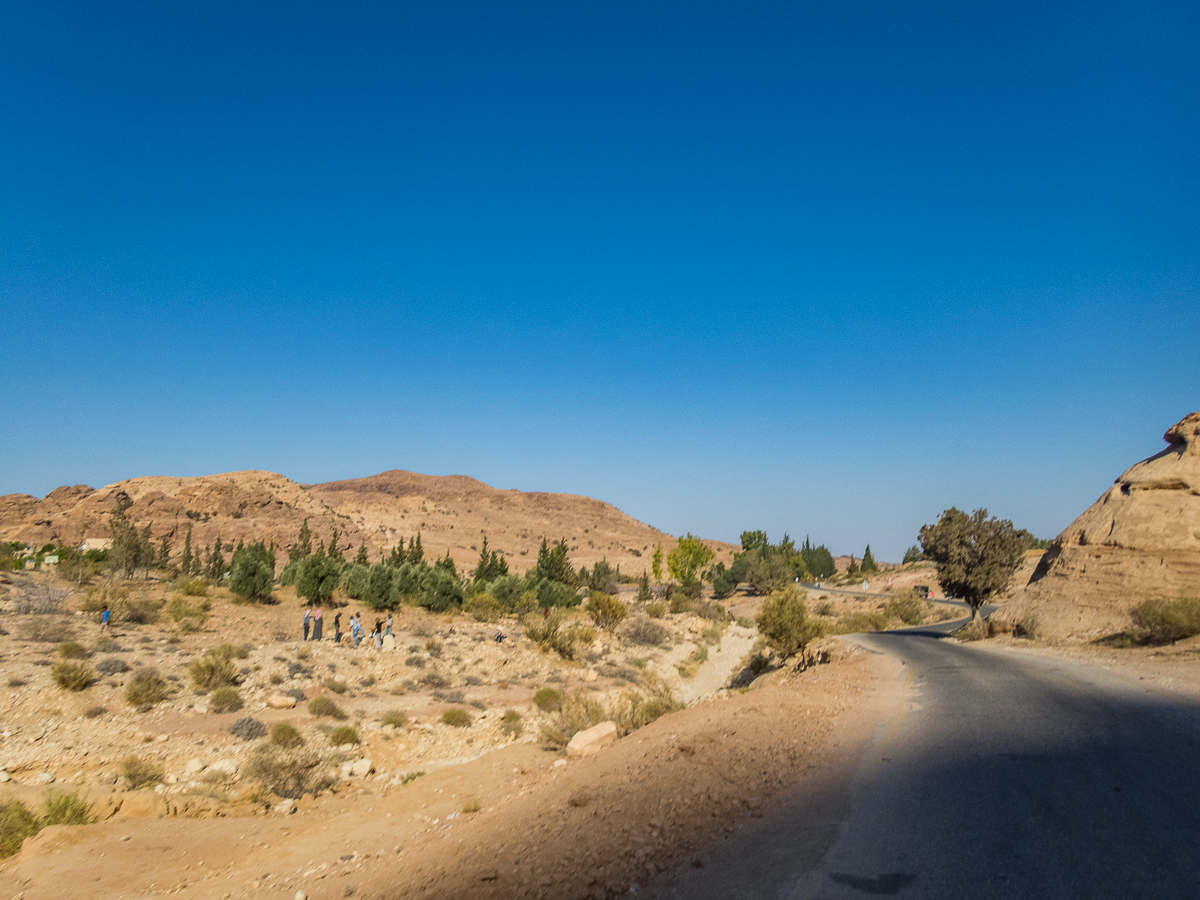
(337,628)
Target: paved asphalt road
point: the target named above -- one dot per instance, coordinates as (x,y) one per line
(1010,776)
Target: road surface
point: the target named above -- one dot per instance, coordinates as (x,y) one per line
(1006,776)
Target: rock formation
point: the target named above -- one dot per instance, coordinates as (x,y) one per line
(1141,539)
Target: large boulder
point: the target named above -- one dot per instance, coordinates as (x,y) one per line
(593,740)
(1140,540)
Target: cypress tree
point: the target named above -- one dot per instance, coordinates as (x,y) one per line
(361,559)
(164,552)
(303,545)
(334,552)
(185,561)
(416,554)
(868,563)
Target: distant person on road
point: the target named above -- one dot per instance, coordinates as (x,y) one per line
(318,624)
(307,621)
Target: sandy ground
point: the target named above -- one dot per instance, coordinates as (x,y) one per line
(668,796)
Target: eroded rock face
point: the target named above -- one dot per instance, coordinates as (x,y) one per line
(1141,539)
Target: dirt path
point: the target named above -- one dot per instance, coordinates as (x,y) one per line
(664,799)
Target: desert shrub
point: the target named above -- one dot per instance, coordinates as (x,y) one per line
(286,735)
(289,773)
(146,687)
(583,634)
(510,724)
(72,650)
(1161,621)
(457,718)
(59,808)
(681,603)
(247,728)
(193,587)
(140,772)
(343,734)
(483,607)
(188,615)
(72,676)
(784,623)
(303,653)
(332,684)
(16,824)
(656,610)
(106,644)
(825,609)
(142,611)
(578,713)
(858,622)
(95,712)
(907,607)
(96,598)
(49,629)
(435,680)
(645,632)
(975,630)
(323,706)
(434,648)
(633,709)
(225,700)
(548,699)
(397,718)
(214,669)
(606,610)
(417,662)
(472,805)
(1028,626)
(110,665)
(712,634)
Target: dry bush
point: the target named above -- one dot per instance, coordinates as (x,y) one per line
(456,718)
(72,650)
(323,706)
(784,622)
(214,669)
(510,724)
(66,809)
(193,587)
(472,805)
(975,630)
(645,632)
(140,772)
(225,700)
(72,676)
(344,734)
(332,684)
(548,699)
(95,712)
(286,735)
(110,665)
(606,610)
(1028,626)
(656,610)
(146,687)
(47,629)
(578,712)
(189,615)
(247,728)
(859,622)
(635,709)
(16,824)
(907,607)
(546,631)
(395,717)
(40,599)
(1161,621)
(289,773)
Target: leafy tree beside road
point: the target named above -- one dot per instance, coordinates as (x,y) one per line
(975,556)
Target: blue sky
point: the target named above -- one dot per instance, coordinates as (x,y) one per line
(824,268)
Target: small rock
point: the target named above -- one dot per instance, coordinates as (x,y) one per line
(162,738)
(281,701)
(287,807)
(124,837)
(590,675)
(300,895)
(362,768)
(194,767)
(224,766)
(4,776)
(44,778)
(592,740)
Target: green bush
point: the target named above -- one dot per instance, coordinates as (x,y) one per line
(194,587)
(483,607)
(548,699)
(547,633)
(187,615)
(784,623)
(510,724)
(332,684)
(472,805)
(140,772)
(95,712)
(656,610)
(72,650)
(286,735)
(72,676)
(606,610)
(323,706)
(146,686)
(1161,621)
(907,607)
(457,718)
(395,717)
(66,809)
(343,734)
(16,824)
(578,712)
(225,700)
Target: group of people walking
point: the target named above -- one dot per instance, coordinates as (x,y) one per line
(313,626)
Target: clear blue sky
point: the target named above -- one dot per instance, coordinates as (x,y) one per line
(825,268)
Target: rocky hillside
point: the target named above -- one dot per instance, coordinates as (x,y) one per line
(452,513)
(1141,539)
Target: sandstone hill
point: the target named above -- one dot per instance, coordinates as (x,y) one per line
(452,513)
(1140,540)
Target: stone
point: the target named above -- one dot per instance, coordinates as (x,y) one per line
(225,767)
(281,701)
(4,776)
(389,642)
(287,807)
(362,768)
(44,778)
(592,740)
(590,675)
(194,766)
(1140,540)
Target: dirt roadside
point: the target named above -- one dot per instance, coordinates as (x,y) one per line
(669,798)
